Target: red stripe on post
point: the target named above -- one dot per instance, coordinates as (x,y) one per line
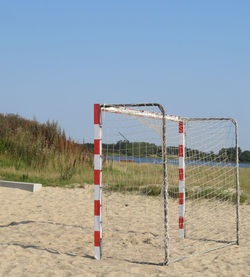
(97,146)
(96,114)
(181,127)
(96,177)
(181,174)
(97,207)
(181,148)
(181,222)
(181,198)
(97,238)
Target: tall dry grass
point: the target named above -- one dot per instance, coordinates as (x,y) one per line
(29,148)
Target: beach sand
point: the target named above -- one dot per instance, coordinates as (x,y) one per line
(50,233)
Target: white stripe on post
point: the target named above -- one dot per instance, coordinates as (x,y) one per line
(97,193)
(97,183)
(97,131)
(181,179)
(97,162)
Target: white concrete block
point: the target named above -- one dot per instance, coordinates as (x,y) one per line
(21,185)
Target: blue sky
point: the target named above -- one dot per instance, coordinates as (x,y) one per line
(58,58)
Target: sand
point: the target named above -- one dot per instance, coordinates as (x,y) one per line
(50,233)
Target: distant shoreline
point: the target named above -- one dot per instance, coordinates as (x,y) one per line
(173,161)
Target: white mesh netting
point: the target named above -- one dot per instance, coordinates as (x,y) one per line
(132,204)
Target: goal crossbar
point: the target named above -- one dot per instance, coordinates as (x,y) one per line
(123,109)
(139,113)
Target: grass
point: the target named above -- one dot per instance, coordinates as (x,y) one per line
(205,182)
(48,176)
(245,183)
(40,153)
(35,152)
(135,178)
(145,179)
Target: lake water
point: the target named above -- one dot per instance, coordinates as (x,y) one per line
(176,162)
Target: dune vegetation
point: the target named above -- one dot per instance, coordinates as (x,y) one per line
(41,153)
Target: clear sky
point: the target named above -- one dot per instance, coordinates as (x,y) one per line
(58,58)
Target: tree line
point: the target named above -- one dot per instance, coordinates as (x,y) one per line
(145,149)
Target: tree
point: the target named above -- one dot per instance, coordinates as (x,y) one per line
(229,153)
(245,156)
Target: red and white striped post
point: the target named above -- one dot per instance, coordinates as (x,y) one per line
(97,182)
(181,179)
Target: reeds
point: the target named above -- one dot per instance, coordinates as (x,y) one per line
(27,145)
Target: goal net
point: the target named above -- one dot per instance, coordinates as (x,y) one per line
(166,187)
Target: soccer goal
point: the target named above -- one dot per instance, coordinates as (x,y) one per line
(170,184)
